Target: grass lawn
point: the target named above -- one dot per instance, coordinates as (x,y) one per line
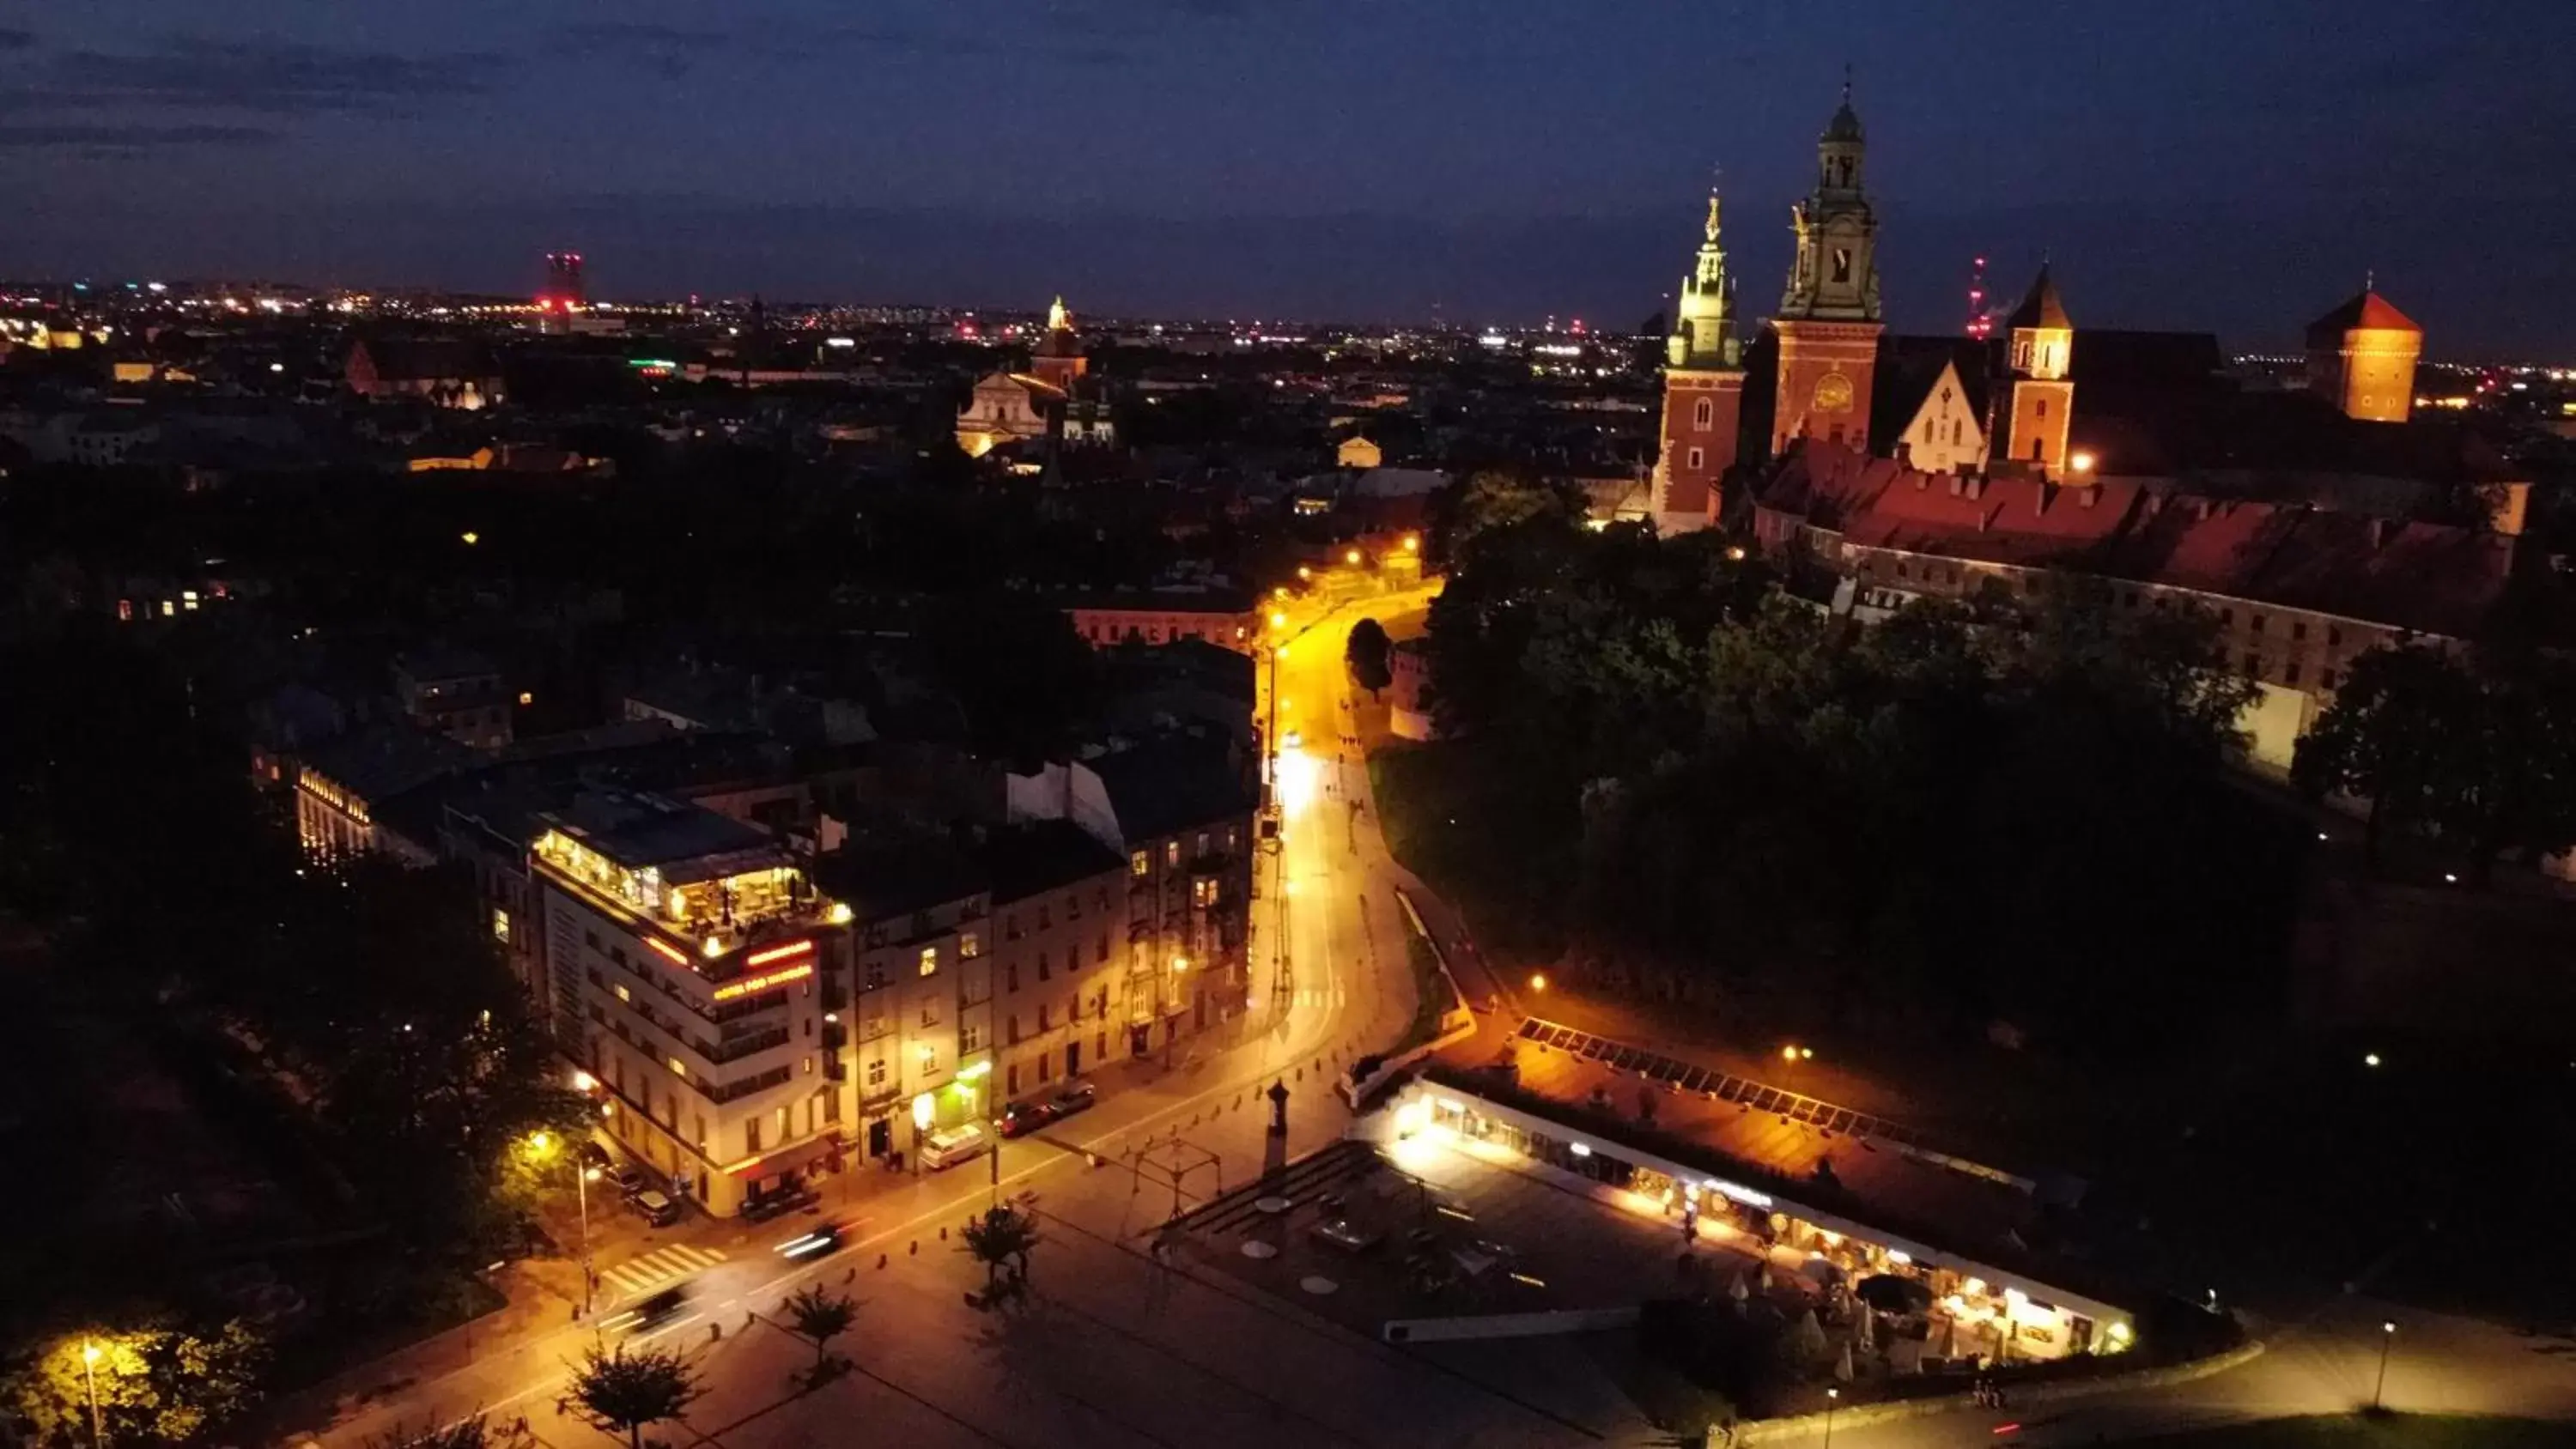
(2383,1431)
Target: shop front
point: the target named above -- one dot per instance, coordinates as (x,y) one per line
(1975,1310)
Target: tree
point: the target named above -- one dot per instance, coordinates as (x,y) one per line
(1369,656)
(819,1317)
(2471,749)
(1000,1235)
(2385,737)
(156,1383)
(477,1432)
(619,1392)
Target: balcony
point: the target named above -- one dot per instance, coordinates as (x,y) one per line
(734,1049)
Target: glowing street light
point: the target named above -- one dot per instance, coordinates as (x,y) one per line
(2387,1336)
(2080,462)
(89,1371)
(1278,618)
(1352,558)
(1832,1397)
(471,537)
(2370,1059)
(1413,543)
(1538,981)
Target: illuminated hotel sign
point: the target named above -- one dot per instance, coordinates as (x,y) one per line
(780,953)
(749,984)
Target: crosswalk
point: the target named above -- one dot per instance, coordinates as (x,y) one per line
(638,1276)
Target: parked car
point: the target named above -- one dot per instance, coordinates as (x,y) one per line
(1345,1236)
(629,1178)
(1022,1118)
(778,1204)
(655,1207)
(952,1145)
(1079,1097)
(594,1155)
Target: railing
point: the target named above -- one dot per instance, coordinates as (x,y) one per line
(736,1048)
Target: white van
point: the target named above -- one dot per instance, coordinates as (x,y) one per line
(952,1145)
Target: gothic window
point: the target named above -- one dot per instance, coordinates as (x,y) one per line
(1702,412)
(1842,264)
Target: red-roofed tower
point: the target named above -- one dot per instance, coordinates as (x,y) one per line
(2361,358)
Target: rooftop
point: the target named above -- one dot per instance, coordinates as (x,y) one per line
(1183,780)
(638,830)
(1020,861)
(897,873)
(1806,1155)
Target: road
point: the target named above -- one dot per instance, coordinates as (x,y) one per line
(1116,1349)
(2327,1363)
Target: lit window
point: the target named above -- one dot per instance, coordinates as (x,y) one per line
(929,960)
(809,1066)
(500,925)
(1171,852)
(876,1073)
(1139,863)
(967,948)
(970,1038)
(679,1068)
(625,995)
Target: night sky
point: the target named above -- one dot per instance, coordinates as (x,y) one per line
(2234,165)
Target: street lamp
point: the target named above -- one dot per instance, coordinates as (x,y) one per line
(2387,1336)
(89,1371)
(581,1182)
(1352,558)
(1831,1397)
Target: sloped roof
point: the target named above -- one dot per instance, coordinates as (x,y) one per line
(1176,782)
(1909,368)
(2365,309)
(2431,578)
(1028,859)
(2040,307)
(429,359)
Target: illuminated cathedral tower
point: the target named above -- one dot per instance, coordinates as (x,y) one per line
(1829,320)
(1703,391)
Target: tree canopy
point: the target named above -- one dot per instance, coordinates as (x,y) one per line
(2007,808)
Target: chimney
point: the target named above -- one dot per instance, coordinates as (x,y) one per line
(2039,497)
(2084,496)
(1958,483)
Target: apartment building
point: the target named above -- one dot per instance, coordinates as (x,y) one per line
(1059,949)
(702,962)
(1178,808)
(920,1013)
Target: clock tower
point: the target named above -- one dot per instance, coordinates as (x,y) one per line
(1703,392)
(1829,319)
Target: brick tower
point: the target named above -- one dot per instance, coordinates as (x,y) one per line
(1703,392)
(2034,400)
(1829,319)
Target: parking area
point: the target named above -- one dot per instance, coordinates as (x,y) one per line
(1363,1239)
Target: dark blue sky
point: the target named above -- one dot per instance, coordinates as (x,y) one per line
(2224,164)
